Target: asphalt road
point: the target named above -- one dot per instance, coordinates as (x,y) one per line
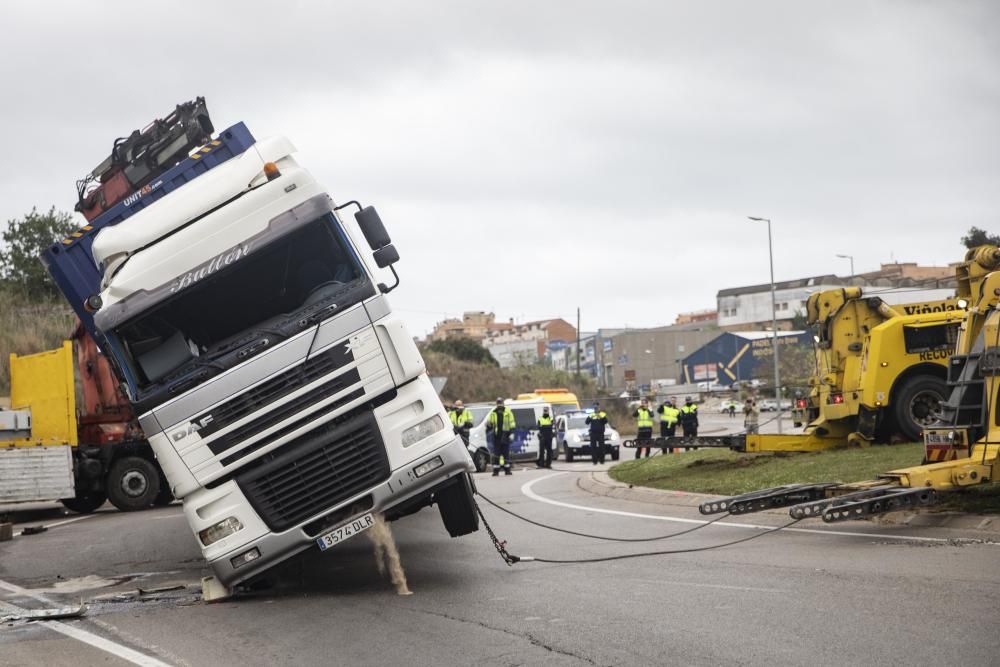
(853,595)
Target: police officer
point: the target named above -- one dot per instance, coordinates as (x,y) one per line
(689,419)
(544,439)
(461,420)
(598,419)
(500,422)
(644,426)
(751,416)
(669,415)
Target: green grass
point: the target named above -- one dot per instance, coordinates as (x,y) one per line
(726,473)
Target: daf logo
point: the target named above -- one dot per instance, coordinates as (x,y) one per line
(193,427)
(353,344)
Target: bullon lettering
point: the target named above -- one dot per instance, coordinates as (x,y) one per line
(210,267)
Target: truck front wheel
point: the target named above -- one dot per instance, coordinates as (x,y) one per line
(133,483)
(85,503)
(457,507)
(916,404)
(481,459)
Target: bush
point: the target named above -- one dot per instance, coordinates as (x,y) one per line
(476,382)
(465,349)
(29,325)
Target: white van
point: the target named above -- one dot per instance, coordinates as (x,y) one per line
(523,443)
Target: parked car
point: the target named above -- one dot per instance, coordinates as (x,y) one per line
(573,437)
(786,404)
(768,405)
(729,404)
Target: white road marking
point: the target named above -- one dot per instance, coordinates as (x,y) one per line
(722,586)
(81,635)
(63,522)
(527,491)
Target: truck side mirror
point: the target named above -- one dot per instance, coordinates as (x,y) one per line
(386,256)
(373,229)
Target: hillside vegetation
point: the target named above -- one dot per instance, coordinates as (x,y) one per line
(476,382)
(29,325)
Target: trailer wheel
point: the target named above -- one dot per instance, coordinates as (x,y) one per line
(85,503)
(916,405)
(457,507)
(133,483)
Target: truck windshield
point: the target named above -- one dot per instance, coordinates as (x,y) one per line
(246,306)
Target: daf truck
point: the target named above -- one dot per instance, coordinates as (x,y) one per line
(285,401)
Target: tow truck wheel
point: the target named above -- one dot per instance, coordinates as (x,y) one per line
(85,503)
(133,483)
(457,507)
(916,405)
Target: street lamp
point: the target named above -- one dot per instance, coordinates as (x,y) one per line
(850,257)
(774,318)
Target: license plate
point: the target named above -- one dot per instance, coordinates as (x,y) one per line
(345,531)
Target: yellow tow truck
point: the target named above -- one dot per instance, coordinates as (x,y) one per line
(881,370)
(964,444)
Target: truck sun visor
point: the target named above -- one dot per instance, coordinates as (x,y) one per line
(111,316)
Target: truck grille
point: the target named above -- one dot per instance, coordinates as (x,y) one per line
(289,409)
(280,385)
(317,471)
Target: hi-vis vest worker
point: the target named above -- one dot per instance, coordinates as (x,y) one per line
(644,425)
(461,416)
(544,439)
(644,418)
(689,418)
(669,414)
(500,422)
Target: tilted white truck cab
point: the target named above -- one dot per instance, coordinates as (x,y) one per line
(284,400)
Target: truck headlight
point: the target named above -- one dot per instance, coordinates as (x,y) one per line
(219,531)
(424,429)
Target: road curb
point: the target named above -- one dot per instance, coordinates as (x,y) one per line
(601,484)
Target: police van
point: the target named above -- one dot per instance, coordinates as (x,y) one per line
(524,441)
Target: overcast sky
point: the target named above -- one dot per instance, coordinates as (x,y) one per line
(529,157)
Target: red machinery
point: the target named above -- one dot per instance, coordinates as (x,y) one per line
(139,158)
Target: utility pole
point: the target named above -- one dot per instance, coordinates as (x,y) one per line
(577,342)
(774,319)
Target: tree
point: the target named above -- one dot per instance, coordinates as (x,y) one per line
(23,241)
(977,237)
(465,349)
(796,364)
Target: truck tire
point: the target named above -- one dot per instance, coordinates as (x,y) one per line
(164,497)
(133,483)
(481,459)
(915,405)
(457,507)
(85,503)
